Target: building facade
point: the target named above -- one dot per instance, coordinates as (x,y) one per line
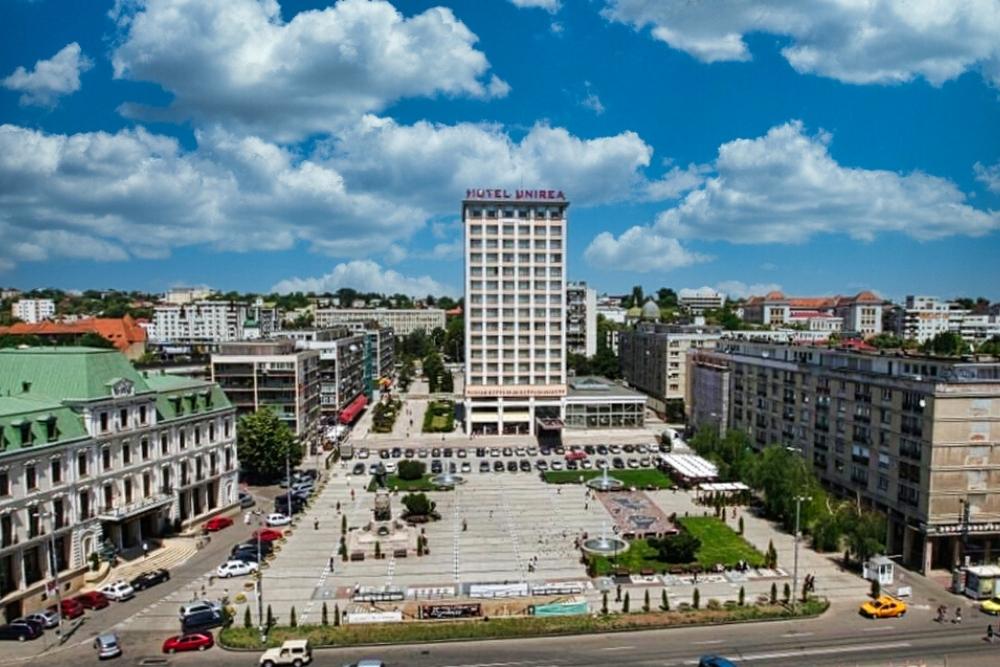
(272,374)
(594,403)
(182,296)
(708,387)
(341,367)
(913,437)
(205,324)
(654,359)
(92,452)
(860,314)
(33,311)
(515,299)
(697,301)
(581,319)
(403,321)
(924,317)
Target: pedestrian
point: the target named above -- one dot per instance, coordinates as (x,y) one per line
(331,563)
(316,523)
(958,615)
(989,632)
(246,518)
(145,549)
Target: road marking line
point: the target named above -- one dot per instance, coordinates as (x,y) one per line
(711,641)
(617,648)
(860,648)
(882,628)
(797,634)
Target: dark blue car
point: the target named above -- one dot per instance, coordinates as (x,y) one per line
(715,661)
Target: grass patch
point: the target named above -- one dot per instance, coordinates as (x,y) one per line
(392,482)
(643,479)
(384,415)
(719,542)
(439,417)
(508,628)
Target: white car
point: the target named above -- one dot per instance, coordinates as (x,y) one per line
(277,519)
(586,464)
(235,568)
(363,453)
(557,465)
(118,590)
(390,468)
(200,605)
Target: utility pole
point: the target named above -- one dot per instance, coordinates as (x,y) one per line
(260,584)
(54,566)
(795,567)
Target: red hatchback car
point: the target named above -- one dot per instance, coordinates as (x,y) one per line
(70,608)
(92,600)
(217,523)
(196,641)
(266,535)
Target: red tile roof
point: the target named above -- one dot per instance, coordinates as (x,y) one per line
(123,332)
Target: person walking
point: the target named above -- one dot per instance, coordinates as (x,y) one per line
(989,633)
(145,549)
(958,615)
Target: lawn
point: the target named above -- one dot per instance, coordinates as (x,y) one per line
(719,544)
(392,481)
(642,479)
(440,417)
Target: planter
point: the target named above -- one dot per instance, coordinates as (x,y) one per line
(247,586)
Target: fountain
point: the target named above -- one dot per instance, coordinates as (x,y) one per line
(605,483)
(447,480)
(604,545)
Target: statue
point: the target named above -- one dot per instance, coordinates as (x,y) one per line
(380,476)
(383,512)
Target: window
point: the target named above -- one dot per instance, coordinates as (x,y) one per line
(126,453)
(183,438)
(30,477)
(142,414)
(56,471)
(106,458)
(51,430)
(123,418)
(144,448)
(4,483)
(164,444)
(81,464)
(104,422)
(26,434)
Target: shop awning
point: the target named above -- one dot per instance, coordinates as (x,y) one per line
(348,414)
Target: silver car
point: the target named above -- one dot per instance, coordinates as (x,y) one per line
(107,646)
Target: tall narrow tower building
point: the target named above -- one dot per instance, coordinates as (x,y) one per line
(515,324)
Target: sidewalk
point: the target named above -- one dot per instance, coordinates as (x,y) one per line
(174,552)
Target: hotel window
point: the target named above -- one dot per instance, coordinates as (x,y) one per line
(476,257)
(227,426)
(164,444)
(4,484)
(491,230)
(491,257)
(523,230)
(81,464)
(104,422)
(555,257)
(126,453)
(541,213)
(524,244)
(142,414)
(508,229)
(183,438)
(492,213)
(555,245)
(555,230)
(123,418)
(30,477)
(106,458)
(56,471)
(539,244)
(522,213)
(476,229)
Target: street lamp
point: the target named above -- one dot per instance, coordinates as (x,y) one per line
(260,584)
(795,568)
(53,566)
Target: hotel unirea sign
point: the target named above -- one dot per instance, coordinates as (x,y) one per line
(494,194)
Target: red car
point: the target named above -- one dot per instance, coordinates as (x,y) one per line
(266,535)
(576,455)
(217,523)
(196,641)
(70,608)
(92,600)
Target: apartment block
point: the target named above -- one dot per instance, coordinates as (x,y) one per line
(697,301)
(403,321)
(914,437)
(515,324)
(33,311)
(654,359)
(93,451)
(342,389)
(860,314)
(272,374)
(581,319)
(205,324)
(182,296)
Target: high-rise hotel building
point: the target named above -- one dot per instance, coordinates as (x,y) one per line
(515,295)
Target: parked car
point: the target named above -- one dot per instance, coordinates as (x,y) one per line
(236,568)
(715,661)
(107,646)
(436,466)
(71,608)
(617,463)
(586,465)
(448,453)
(195,641)
(277,519)
(466,466)
(251,545)
(884,607)
(633,463)
(248,556)
(266,535)
(498,466)
(281,504)
(390,468)
(480,452)
(507,451)
(590,449)
(484,466)
(151,578)
(246,500)
(495,452)
(48,618)
(383,454)
(295,652)
(200,621)
(556,465)
(628,449)
(409,453)
(512,466)
(19,631)
(92,600)
(542,465)
(307,486)
(422,453)
(396,452)
(435,452)
(359,469)
(461,453)
(572,465)
(33,622)
(119,590)
(199,606)
(525,465)
(217,523)
(363,453)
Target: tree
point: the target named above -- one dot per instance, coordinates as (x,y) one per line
(324,617)
(336,615)
(664,600)
(604,603)
(637,298)
(406,374)
(579,364)
(418,504)
(410,470)
(885,341)
(645,601)
(992,346)
(447,382)
(865,532)
(247,621)
(787,592)
(433,371)
(343,524)
(743,596)
(774,592)
(681,547)
(741,525)
(453,346)
(292,620)
(270,617)
(666,298)
(947,343)
(262,443)
(625,603)
(696,598)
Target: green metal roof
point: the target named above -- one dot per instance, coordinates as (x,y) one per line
(66,373)
(19,413)
(174,396)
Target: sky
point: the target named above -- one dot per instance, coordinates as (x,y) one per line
(816,146)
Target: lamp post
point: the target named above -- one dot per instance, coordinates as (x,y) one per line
(53,566)
(260,584)
(795,567)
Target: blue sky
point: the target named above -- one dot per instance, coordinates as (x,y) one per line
(252,145)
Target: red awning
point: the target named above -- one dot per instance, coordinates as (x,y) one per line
(348,414)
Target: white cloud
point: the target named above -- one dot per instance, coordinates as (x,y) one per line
(675,182)
(785,187)
(133,193)
(988,176)
(640,249)
(551,6)
(861,42)
(50,79)
(593,102)
(431,166)
(735,289)
(367,276)
(769,266)
(557,28)
(238,63)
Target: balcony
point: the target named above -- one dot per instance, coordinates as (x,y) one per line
(126,511)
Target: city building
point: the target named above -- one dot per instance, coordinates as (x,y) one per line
(654,360)
(380,357)
(9,293)
(402,321)
(182,296)
(914,437)
(697,301)
(598,403)
(125,333)
(515,300)
(91,451)
(202,325)
(343,392)
(581,319)
(611,313)
(977,329)
(272,374)
(33,311)
(815,320)
(708,389)
(861,314)
(924,317)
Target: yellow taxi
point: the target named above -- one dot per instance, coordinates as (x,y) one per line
(884,607)
(991,606)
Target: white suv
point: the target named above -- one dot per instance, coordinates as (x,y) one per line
(118,590)
(294,652)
